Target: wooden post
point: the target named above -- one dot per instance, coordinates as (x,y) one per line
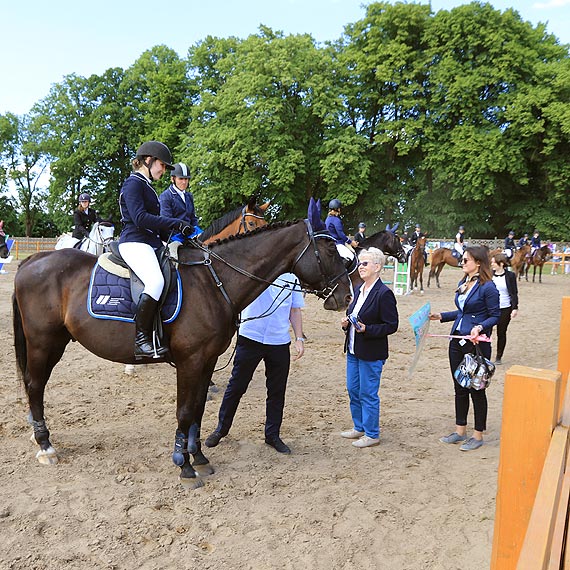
(564,348)
(530,414)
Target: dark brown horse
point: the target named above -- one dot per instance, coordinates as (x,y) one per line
(386,241)
(537,259)
(4,253)
(50,309)
(417,262)
(439,258)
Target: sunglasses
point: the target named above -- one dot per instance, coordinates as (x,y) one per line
(364,263)
(465,260)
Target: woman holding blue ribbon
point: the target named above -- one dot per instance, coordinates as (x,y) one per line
(477,312)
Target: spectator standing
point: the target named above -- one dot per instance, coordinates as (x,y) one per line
(371,318)
(506,283)
(477,312)
(264,335)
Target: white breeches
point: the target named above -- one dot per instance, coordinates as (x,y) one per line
(141,258)
(458,247)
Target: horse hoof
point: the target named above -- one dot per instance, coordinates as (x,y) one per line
(204,470)
(191,483)
(47,457)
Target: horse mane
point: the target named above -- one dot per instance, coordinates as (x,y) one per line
(218,225)
(260,229)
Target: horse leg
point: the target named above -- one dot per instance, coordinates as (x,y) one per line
(40,363)
(422,280)
(438,272)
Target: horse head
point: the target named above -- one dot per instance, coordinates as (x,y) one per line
(324,272)
(253,215)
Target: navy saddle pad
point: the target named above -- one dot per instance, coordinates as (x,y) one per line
(109,297)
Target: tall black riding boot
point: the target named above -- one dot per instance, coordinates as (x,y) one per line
(144,321)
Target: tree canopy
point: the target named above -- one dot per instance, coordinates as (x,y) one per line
(456,117)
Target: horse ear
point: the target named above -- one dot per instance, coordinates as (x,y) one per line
(251,202)
(265,206)
(318,206)
(388,228)
(395,227)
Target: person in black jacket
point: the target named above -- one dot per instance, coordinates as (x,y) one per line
(506,283)
(371,317)
(84,217)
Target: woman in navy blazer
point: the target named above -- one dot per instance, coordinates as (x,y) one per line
(477,302)
(144,230)
(371,317)
(176,201)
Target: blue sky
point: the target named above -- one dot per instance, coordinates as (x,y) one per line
(41,42)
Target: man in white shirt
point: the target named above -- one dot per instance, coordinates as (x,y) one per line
(264,335)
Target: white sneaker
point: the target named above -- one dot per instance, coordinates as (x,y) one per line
(366,441)
(351,434)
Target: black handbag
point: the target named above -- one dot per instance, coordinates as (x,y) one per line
(474,371)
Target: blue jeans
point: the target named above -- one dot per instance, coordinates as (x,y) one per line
(363,385)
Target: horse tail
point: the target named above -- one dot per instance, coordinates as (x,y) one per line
(19,339)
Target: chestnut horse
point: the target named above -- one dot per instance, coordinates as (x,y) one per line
(417,262)
(519,260)
(218,282)
(439,258)
(238,221)
(538,258)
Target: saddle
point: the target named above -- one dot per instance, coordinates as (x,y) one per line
(114,264)
(457,256)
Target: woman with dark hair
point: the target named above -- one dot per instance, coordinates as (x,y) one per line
(477,302)
(506,283)
(84,217)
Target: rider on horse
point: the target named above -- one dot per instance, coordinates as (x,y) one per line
(510,245)
(523,241)
(360,235)
(414,240)
(83,217)
(334,224)
(534,242)
(458,246)
(144,230)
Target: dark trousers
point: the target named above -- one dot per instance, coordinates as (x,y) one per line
(249,354)
(502,326)
(479,397)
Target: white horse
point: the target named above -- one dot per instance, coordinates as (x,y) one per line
(99,237)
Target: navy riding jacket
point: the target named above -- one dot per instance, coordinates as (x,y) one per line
(140,214)
(481,308)
(173,206)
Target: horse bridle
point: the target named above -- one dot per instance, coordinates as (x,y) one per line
(244,215)
(332,283)
(104,241)
(324,294)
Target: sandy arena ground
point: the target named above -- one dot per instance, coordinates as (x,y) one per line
(115,502)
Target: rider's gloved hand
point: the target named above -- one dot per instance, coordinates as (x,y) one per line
(186,229)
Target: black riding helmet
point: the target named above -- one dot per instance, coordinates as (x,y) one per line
(335,204)
(155,150)
(84,197)
(180,171)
